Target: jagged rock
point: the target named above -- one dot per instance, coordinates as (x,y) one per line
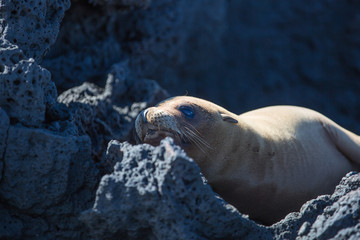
(25,87)
(244,48)
(48,175)
(89,64)
(334,216)
(159,193)
(32,25)
(152,35)
(37,164)
(341,218)
(28,29)
(343,214)
(109,113)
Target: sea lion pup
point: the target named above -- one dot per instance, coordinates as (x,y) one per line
(266,162)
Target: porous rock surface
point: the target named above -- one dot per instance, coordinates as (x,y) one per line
(159,193)
(109,113)
(152,35)
(47,177)
(335,216)
(240,54)
(32,25)
(26,89)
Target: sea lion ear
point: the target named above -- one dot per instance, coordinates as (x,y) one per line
(227,118)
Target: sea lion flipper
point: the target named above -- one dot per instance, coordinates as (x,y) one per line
(346,142)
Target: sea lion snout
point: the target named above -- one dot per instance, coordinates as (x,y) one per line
(154,124)
(143,114)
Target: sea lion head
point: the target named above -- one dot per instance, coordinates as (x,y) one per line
(197,125)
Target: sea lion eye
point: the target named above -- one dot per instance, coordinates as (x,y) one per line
(187,111)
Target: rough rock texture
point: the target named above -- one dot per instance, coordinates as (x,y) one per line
(153,36)
(32,25)
(334,216)
(47,176)
(109,113)
(240,54)
(47,180)
(25,87)
(28,28)
(37,164)
(339,220)
(158,193)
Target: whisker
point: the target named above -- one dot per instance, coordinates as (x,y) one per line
(196,142)
(199,135)
(199,138)
(197,132)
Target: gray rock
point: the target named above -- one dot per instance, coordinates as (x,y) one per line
(328,216)
(73,68)
(351,233)
(4,127)
(343,214)
(47,175)
(48,179)
(340,219)
(28,29)
(25,87)
(37,166)
(255,54)
(152,35)
(159,193)
(10,226)
(109,113)
(32,25)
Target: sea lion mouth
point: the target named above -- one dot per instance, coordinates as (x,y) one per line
(154,135)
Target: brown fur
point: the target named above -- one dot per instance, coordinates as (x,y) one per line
(266,162)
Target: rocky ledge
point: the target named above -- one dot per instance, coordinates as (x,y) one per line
(75,74)
(160,193)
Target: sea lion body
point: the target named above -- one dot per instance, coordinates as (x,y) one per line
(266,162)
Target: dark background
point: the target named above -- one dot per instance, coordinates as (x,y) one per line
(239,54)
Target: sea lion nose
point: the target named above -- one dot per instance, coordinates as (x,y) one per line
(143,114)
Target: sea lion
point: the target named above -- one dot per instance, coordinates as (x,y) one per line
(266,162)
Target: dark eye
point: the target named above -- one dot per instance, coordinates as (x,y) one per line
(187,111)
